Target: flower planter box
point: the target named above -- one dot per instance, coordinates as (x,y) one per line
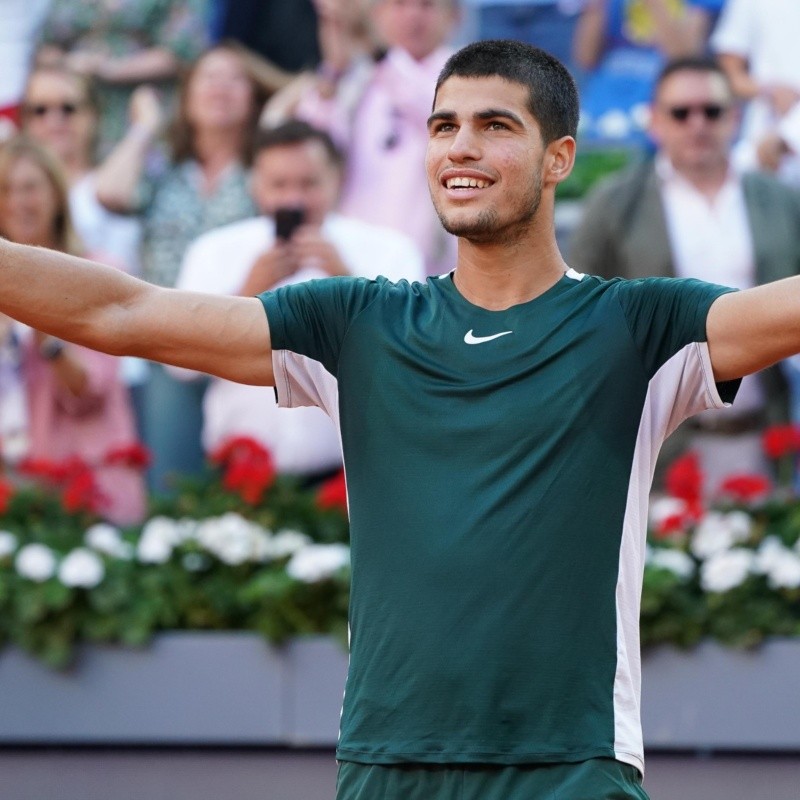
(184,689)
(233,689)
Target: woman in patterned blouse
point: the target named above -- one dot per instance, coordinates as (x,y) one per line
(205,186)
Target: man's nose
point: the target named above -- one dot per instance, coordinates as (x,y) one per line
(465,145)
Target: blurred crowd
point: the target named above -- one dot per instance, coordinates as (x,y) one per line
(232,147)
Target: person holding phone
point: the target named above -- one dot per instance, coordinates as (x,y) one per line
(297,173)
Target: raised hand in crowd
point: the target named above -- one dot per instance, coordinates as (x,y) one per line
(119,175)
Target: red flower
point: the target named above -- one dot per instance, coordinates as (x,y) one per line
(249,469)
(677,524)
(684,479)
(81,493)
(6,493)
(38,468)
(131,455)
(333,493)
(781,440)
(745,488)
(239,447)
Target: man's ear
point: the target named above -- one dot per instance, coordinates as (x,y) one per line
(559,159)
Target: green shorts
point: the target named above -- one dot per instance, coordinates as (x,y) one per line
(595,779)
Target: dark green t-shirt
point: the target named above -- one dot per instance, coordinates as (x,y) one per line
(498,465)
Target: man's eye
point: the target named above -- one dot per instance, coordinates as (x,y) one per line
(443,127)
(498,126)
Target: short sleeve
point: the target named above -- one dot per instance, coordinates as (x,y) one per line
(666,314)
(313,318)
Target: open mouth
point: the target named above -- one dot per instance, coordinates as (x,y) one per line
(466,183)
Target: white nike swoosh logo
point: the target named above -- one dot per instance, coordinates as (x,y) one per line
(470,339)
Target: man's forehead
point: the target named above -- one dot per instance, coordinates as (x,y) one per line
(466,96)
(690,83)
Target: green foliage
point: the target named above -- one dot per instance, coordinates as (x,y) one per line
(199,585)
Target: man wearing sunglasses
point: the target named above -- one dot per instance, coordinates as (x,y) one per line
(687,213)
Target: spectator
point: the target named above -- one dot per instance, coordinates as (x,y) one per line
(689,214)
(77,405)
(122,45)
(377,112)
(624,43)
(296,167)
(19,30)
(60,111)
(206,186)
(13,403)
(756,43)
(549,24)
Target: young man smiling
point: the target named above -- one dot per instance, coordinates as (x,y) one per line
(499,425)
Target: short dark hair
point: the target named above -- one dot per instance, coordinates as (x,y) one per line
(707,64)
(295,131)
(552,94)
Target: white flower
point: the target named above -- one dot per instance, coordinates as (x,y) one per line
(107,539)
(780,564)
(159,537)
(36,562)
(286,543)
(233,539)
(83,568)
(8,543)
(317,562)
(676,561)
(726,570)
(718,532)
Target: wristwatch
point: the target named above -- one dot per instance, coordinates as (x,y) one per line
(51,348)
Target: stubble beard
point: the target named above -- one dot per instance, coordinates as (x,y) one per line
(489,228)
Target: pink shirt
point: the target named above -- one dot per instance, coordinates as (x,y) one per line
(62,425)
(380,124)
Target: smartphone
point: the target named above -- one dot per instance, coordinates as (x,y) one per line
(287,221)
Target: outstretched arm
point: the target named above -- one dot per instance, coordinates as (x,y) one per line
(105,309)
(750,330)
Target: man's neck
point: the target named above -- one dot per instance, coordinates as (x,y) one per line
(500,275)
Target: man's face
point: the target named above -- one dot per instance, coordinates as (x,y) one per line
(484,159)
(416,26)
(296,176)
(694,122)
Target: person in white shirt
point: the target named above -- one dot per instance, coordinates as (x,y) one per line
(756,41)
(689,213)
(296,173)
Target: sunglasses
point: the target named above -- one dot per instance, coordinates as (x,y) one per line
(711,111)
(43,109)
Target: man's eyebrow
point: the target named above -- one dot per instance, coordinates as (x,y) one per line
(488,113)
(438,116)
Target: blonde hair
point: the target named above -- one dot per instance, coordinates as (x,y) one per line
(23,147)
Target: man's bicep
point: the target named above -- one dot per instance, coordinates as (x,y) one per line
(217,334)
(753,329)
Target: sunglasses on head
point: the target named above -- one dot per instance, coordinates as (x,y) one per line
(711,111)
(43,109)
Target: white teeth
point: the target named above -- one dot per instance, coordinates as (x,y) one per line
(466,183)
